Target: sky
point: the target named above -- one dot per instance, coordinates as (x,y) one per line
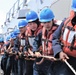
(5,6)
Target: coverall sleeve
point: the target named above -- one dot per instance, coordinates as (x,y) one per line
(37,42)
(55,41)
(16,45)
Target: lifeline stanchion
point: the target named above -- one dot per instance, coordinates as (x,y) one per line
(72,69)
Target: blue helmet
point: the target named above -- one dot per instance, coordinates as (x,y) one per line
(46,15)
(1,39)
(16,32)
(31,16)
(12,36)
(8,38)
(73,5)
(22,23)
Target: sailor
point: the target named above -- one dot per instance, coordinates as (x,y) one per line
(11,67)
(6,62)
(34,28)
(15,51)
(4,56)
(64,44)
(43,66)
(22,46)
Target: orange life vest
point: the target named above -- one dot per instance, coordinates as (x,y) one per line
(68,37)
(47,41)
(29,32)
(31,37)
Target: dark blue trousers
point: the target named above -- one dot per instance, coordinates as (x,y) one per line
(60,68)
(21,67)
(43,69)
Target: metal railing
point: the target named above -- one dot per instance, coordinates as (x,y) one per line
(16,7)
(14,10)
(12,14)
